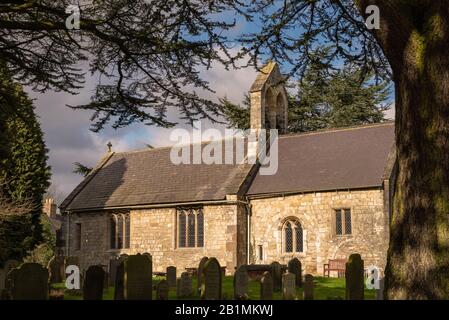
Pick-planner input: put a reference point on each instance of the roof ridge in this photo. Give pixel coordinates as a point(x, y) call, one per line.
point(331, 130)
point(181, 145)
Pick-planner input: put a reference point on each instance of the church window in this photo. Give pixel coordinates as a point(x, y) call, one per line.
point(343, 222)
point(293, 236)
point(120, 230)
point(190, 228)
point(78, 236)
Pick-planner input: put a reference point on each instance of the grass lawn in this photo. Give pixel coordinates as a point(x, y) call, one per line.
point(325, 289)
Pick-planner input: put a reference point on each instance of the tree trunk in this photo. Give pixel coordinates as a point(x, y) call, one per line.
point(418, 257)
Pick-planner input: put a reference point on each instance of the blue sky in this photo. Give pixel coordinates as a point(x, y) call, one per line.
point(67, 131)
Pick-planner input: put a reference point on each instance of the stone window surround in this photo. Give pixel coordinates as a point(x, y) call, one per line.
point(113, 215)
point(334, 234)
point(280, 231)
point(195, 248)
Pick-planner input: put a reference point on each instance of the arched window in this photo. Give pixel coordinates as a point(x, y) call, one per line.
point(292, 236)
point(120, 230)
point(190, 227)
point(182, 229)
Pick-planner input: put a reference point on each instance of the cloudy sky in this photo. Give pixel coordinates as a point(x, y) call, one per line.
point(69, 139)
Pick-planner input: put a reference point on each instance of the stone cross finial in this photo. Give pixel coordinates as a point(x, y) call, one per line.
point(109, 145)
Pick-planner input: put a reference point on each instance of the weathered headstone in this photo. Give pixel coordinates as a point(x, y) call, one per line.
point(200, 272)
point(211, 287)
point(266, 286)
point(355, 284)
point(138, 277)
point(56, 269)
point(294, 266)
point(276, 273)
point(308, 287)
point(162, 289)
point(380, 291)
point(241, 283)
point(28, 282)
point(113, 264)
point(288, 286)
point(8, 266)
point(184, 288)
point(171, 276)
point(93, 283)
point(119, 285)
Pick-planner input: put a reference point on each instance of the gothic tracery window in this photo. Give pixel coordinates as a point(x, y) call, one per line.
point(119, 231)
point(190, 227)
point(292, 234)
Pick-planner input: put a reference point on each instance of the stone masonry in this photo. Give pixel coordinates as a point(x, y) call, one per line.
point(316, 212)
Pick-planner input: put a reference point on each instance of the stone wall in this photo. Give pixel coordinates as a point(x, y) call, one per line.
point(154, 231)
point(316, 212)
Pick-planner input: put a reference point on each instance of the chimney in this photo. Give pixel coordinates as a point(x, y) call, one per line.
point(50, 207)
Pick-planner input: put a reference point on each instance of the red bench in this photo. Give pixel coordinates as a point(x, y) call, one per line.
point(338, 265)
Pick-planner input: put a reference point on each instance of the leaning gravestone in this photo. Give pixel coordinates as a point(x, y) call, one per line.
point(288, 286)
point(266, 286)
point(138, 277)
point(276, 273)
point(162, 289)
point(308, 287)
point(28, 282)
point(56, 269)
point(200, 272)
point(184, 288)
point(171, 276)
point(241, 283)
point(354, 274)
point(211, 287)
point(8, 266)
point(294, 266)
point(93, 283)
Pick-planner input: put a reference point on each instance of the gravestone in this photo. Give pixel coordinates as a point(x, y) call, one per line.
point(171, 276)
point(380, 291)
point(211, 287)
point(241, 283)
point(138, 277)
point(93, 283)
point(184, 288)
point(266, 286)
point(56, 269)
point(288, 286)
point(200, 272)
point(294, 266)
point(162, 289)
point(308, 287)
point(113, 265)
point(355, 278)
point(276, 273)
point(8, 266)
point(119, 284)
point(28, 282)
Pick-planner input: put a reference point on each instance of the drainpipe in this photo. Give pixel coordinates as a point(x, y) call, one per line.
point(248, 230)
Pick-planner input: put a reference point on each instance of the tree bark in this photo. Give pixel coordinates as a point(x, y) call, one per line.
point(417, 47)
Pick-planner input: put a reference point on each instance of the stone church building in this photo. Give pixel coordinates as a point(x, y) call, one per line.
point(330, 197)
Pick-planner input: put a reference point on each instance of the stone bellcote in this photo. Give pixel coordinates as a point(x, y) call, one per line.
point(269, 100)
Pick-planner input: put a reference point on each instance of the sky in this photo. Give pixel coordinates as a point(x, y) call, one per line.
point(69, 140)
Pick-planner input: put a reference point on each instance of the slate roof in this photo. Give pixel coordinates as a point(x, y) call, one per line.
point(148, 177)
point(350, 158)
point(357, 157)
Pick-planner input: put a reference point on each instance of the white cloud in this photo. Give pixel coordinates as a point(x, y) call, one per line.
point(69, 140)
